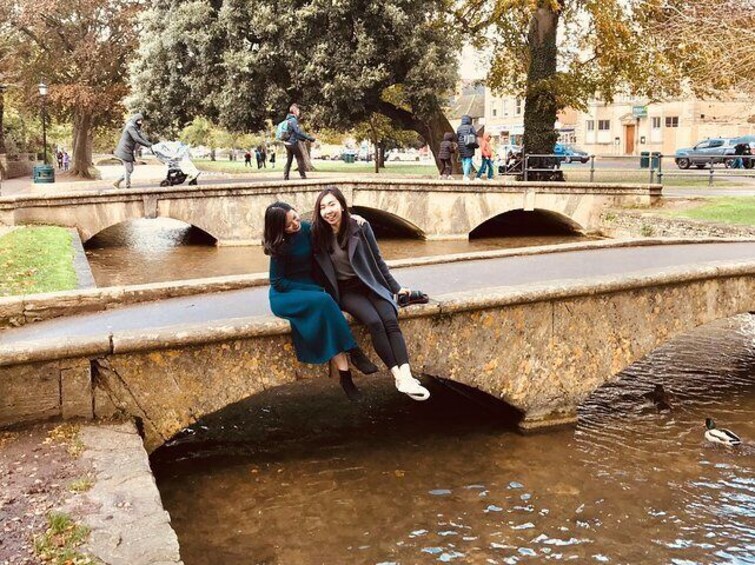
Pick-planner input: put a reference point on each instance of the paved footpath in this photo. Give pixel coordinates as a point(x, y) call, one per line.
point(436, 280)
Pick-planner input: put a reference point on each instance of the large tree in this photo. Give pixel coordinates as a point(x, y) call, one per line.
point(81, 49)
point(559, 53)
point(239, 62)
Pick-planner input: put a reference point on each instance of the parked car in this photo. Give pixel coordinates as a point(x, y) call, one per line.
point(399, 155)
point(568, 154)
point(707, 152)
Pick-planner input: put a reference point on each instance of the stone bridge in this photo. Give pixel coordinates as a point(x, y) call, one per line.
point(233, 214)
point(542, 349)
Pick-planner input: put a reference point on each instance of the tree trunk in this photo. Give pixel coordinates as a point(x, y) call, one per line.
point(304, 147)
point(431, 127)
point(2, 111)
point(82, 146)
point(380, 155)
point(375, 142)
point(212, 154)
point(541, 107)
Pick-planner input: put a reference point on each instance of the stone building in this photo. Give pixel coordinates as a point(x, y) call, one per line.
point(629, 126)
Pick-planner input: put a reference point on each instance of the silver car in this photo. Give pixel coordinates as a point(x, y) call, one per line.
point(707, 152)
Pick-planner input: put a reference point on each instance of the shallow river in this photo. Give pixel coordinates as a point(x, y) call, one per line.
point(298, 475)
point(144, 251)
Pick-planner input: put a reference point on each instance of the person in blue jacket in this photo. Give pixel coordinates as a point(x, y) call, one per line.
point(319, 330)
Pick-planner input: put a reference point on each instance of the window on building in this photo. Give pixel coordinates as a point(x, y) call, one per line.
point(518, 107)
point(672, 121)
point(505, 109)
point(495, 112)
point(604, 125)
point(590, 125)
point(656, 122)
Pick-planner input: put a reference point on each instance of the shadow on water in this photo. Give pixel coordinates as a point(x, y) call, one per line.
point(299, 475)
point(518, 223)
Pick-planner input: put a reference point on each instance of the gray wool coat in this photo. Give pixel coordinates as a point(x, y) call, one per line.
point(131, 136)
point(367, 263)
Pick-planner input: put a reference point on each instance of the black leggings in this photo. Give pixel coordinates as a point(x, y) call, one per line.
point(447, 168)
point(379, 316)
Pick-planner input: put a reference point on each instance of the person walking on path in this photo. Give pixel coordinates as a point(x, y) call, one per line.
point(292, 143)
point(354, 273)
point(319, 331)
point(126, 150)
point(467, 139)
point(263, 156)
point(247, 159)
point(272, 157)
point(486, 151)
point(447, 149)
point(66, 161)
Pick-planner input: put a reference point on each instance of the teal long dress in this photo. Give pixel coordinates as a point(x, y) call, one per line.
point(318, 327)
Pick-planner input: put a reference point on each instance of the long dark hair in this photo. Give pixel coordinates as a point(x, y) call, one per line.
point(322, 233)
point(275, 227)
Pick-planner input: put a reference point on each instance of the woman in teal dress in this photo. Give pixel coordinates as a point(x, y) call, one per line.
point(319, 331)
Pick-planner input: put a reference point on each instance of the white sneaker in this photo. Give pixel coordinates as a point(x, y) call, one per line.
point(412, 388)
point(467, 179)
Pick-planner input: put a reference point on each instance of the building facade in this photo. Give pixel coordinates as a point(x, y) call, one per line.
point(629, 126)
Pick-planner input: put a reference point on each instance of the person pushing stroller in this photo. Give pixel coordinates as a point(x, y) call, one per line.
point(126, 149)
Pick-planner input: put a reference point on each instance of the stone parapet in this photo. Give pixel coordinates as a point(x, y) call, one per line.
point(636, 223)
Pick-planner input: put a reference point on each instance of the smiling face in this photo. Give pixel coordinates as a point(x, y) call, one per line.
point(293, 222)
point(331, 211)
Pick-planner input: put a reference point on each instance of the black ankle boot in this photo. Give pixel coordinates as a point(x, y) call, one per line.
point(351, 390)
point(362, 362)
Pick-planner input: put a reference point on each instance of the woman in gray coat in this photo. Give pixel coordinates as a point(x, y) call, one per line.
point(126, 150)
point(354, 273)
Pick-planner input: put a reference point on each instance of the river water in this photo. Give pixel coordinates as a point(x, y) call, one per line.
point(298, 475)
point(145, 251)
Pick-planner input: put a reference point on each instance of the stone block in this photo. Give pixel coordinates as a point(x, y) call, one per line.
point(76, 390)
point(29, 393)
point(11, 312)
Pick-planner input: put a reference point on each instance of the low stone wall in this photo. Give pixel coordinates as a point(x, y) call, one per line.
point(21, 165)
point(18, 311)
point(542, 350)
point(633, 223)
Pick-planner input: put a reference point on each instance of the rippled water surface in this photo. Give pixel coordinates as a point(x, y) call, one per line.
point(298, 475)
point(144, 251)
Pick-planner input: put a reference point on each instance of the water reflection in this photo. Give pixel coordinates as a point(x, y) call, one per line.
point(299, 475)
point(144, 251)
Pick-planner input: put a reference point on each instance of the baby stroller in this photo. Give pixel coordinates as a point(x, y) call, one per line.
point(176, 156)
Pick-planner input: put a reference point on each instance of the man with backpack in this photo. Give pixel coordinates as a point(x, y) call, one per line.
point(291, 134)
point(467, 139)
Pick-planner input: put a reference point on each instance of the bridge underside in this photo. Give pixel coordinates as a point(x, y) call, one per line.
point(542, 351)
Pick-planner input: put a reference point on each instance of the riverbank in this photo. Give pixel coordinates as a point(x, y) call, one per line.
point(37, 259)
point(80, 494)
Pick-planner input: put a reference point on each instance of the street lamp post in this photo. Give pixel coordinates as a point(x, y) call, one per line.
point(43, 95)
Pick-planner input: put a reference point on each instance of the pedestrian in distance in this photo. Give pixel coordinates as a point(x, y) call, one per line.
point(272, 157)
point(131, 138)
point(291, 134)
point(59, 158)
point(247, 159)
point(263, 156)
point(448, 148)
point(258, 157)
point(739, 150)
point(486, 151)
point(66, 161)
point(318, 329)
point(466, 136)
point(352, 270)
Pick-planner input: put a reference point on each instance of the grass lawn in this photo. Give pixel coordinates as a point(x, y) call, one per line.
point(36, 259)
point(739, 210)
point(320, 167)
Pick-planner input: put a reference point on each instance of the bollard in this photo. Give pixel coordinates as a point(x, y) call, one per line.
point(526, 166)
point(710, 177)
point(660, 169)
point(592, 168)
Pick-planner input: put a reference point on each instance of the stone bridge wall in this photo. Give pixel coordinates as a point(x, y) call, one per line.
point(542, 350)
point(233, 214)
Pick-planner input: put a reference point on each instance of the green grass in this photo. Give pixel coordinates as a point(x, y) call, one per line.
point(739, 210)
point(36, 259)
point(58, 544)
point(237, 167)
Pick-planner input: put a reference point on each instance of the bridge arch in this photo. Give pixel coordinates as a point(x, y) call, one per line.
point(91, 233)
point(517, 221)
point(386, 224)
